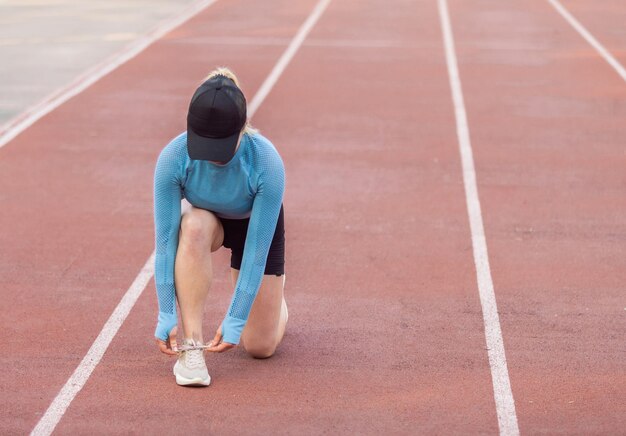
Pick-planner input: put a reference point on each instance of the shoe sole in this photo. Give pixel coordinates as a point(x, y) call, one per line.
point(182, 381)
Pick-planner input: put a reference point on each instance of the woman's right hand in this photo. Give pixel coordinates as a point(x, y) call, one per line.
point(169, 347)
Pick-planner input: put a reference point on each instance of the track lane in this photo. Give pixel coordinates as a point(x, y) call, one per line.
point(72, 244)
point(505, 403)
point(386, 329)
point(547, 131)
point(604, 19)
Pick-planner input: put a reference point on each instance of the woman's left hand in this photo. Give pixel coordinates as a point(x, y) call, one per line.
point(217, 346)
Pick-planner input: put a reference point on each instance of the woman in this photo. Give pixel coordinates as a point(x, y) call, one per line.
point(234, 179)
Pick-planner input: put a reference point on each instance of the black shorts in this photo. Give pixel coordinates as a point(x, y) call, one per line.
point(235, 232)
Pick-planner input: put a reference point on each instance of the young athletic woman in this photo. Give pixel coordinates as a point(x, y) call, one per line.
point(234, 179)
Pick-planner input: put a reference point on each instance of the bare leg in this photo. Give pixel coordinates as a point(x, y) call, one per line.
point(268, 318)
point(200, 234)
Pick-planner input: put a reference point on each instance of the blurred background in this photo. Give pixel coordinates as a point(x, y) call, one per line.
point(45, 44)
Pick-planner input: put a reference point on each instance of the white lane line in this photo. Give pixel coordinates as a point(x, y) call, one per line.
point(75, 383)
point(284, 60)
point(505, 405)
point(310, 42)
point(27, 118)
point(589, 38)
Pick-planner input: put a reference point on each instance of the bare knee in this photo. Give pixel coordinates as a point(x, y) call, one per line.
point(200, 229)
point(260, 349)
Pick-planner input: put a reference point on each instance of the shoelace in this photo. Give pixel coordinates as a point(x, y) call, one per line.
point(194, 359)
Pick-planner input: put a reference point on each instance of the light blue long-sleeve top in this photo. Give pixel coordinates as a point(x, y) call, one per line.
point(251, 185)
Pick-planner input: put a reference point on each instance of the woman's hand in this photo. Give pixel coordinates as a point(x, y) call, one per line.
point(217, 346)
point(169, 347)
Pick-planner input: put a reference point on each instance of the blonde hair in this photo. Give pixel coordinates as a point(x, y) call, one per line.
point(226, 72)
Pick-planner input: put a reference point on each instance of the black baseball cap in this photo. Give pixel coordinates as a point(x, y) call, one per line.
point(217, 113)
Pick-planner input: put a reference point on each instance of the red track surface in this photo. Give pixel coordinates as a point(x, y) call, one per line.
point(385, 330)
point(548, 134)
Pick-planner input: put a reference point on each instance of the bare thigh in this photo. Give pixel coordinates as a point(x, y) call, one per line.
point(266, 322)
point(201, 227)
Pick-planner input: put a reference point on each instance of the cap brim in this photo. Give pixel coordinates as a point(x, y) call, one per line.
point(213, 149)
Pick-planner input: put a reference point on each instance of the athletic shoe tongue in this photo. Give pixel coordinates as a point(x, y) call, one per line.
point(195, 358)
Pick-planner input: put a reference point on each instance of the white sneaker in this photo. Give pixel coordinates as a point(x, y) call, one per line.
point(190, 368)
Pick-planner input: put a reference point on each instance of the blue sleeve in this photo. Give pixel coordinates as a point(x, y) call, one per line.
point(265, 211)
point(167, 198)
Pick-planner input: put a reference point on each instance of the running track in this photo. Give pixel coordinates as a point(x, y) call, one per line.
point(386, 331)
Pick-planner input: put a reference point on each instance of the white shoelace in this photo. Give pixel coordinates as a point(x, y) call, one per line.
point(193, 358)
